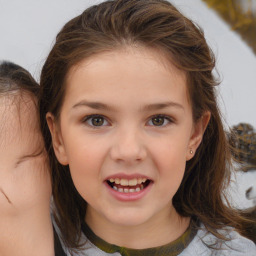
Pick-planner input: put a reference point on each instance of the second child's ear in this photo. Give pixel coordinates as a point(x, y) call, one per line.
point(197, 134)
point(57, 140)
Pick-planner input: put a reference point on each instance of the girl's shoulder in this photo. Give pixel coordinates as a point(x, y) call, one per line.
point(206, 244)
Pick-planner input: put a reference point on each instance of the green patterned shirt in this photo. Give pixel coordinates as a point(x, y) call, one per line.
point(172, 249)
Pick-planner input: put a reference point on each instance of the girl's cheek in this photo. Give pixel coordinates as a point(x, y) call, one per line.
point(31, 186)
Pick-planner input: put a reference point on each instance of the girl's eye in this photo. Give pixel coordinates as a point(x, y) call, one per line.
point(159, 120)
point(96, 121)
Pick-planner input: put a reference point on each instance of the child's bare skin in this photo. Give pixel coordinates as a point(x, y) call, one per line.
point(25, 187)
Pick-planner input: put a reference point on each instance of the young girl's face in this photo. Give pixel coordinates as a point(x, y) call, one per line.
point(126, 131)
point(24, 174)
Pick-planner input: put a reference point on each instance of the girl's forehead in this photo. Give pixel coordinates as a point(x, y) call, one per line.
point(132, 57)
point(137, 51)
point(122, 68)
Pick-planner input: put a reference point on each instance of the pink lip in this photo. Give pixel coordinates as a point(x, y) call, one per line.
point(125, 197)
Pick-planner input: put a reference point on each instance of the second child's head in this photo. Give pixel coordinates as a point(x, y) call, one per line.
point(128, 94)
point(25, 186)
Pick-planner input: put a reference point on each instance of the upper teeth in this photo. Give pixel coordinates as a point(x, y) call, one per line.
point(126, 182)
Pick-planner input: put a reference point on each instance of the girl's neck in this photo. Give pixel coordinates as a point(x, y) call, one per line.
point(29, 233)
point(155, 232)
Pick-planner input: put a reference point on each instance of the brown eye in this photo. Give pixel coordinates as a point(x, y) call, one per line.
point(158, 121)
point(97, 121)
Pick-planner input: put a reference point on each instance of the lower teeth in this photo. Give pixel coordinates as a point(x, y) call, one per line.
point(127, 190)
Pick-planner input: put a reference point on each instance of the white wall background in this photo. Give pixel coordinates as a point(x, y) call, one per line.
point(28, 29)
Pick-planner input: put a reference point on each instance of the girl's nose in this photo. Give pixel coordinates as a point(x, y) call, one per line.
point(128, 147)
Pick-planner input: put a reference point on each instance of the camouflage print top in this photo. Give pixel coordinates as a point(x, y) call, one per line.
point(172, 249)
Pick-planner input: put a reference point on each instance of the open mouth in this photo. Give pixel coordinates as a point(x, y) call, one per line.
point(128, 186)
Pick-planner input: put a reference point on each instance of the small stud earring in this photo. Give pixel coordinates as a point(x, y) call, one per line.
point(191, 151)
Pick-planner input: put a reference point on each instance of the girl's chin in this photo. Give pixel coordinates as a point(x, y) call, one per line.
point(128, 219)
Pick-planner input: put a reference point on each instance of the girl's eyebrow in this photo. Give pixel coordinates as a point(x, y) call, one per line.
point(149, 107)
point(93, 105)
point(159, 106)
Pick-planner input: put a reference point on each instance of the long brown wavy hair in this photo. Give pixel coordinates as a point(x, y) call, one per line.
point(153, 24)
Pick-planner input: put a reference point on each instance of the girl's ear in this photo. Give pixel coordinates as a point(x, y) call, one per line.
point(57, 140)
point(197, 134)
